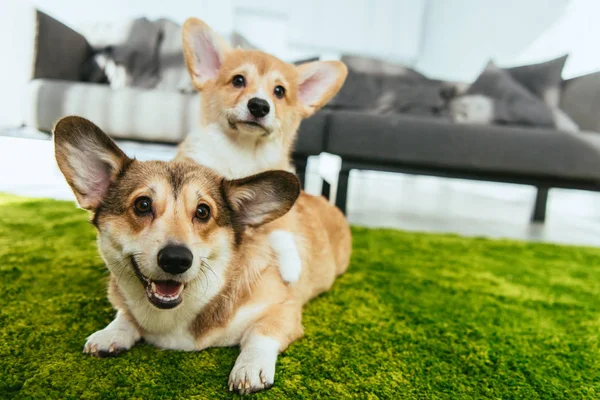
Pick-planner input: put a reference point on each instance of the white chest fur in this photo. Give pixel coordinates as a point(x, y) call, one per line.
point(233, 159)
point(179, 338)
point(168, 329)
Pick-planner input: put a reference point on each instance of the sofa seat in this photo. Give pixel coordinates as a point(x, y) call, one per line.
point(138, 114)
point(409, 141)
point(130, 113)
point(311, 136)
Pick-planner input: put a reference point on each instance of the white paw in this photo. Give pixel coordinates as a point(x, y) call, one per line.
point(290, 265)
point(119, 336)
point(254, 369)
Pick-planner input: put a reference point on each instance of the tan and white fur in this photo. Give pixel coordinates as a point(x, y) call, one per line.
point(219, 285)
point(236, 139)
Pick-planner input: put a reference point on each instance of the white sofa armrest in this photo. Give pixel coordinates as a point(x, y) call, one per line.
point(34, 46)
point(17, 46)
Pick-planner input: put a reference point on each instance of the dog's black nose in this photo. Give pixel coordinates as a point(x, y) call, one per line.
point(258, 107)
point(175, 259)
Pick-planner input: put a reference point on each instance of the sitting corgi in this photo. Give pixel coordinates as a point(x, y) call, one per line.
point(252, 105)
point(187, 254)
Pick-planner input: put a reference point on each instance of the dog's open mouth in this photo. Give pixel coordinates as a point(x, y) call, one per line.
point(162, 294)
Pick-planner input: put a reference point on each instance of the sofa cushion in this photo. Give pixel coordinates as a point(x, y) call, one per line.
point(139, 114)
point(390, 93)
point(61, 52)
point(129, 113)
point(511, 103)
point(310, 140)
point(432, 143)
point(581, 100)
point(542, 79)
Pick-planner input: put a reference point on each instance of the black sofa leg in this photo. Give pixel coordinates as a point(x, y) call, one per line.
point(342, 190)
point(326, 190)
point(541, 199)
point(300, 165)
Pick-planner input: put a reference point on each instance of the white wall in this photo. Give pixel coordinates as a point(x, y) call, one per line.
point(577, 32)
point(461, 36)
point(16, 67)
point(384, 28)
point(289, 28)
point(448, 39)
point(79, 12)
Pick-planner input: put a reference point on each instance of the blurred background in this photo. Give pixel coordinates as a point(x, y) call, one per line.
point(476, 117)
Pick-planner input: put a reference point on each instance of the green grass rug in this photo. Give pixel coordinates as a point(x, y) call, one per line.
point(416, 316)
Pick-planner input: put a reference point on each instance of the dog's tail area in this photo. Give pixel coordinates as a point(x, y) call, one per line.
point(341, 238)
point(338, 231)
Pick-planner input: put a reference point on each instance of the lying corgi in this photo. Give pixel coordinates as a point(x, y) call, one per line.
point(252, 105)
point(187, 250)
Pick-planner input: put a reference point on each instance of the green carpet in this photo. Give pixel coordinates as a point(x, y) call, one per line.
point(417, 316)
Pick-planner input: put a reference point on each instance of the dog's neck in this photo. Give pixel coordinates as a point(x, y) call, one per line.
point(234, 155)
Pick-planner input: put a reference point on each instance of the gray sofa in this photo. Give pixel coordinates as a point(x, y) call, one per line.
point(57, 87)
point(540, 157)
point(544, 158)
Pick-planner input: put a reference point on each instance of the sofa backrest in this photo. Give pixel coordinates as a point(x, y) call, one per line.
point(580, 99)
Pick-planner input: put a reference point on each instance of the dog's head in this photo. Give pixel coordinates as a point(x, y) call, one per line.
point(163, 226)
point(252, 93)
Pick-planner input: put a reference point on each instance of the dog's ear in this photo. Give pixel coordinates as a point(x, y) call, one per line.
point(262, 198)
point(88, 158)
point(318, 82)
point(203, 50)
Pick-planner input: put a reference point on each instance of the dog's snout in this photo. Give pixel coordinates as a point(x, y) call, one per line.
point(258, 107)
point(175, 259)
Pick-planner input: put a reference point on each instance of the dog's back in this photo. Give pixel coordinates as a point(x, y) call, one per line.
point(337, 228)
point(324, 241)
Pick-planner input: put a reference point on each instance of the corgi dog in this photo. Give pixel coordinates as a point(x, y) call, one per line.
point(188, 252)
point(252, 106)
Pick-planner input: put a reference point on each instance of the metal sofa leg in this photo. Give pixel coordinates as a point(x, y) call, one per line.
point(326, 190)
point(342, 190)
point(300, 165)
point(541, 199)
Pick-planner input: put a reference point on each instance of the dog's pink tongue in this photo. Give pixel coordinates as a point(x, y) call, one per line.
point(167, 288)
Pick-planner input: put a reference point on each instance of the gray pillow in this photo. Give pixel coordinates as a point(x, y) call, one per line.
point(580, 99)
point(387, 93)
point(360, 91)
point(127, 53)
point(496, 97)
point(61, 53)
point(543, 79)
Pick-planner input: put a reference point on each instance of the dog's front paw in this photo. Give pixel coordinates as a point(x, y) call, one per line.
point(252, 372)
point(119, 336)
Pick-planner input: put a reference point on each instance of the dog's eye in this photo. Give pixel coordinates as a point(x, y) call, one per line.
point(203, 212)
point(238, 81)
point(279, 91)
point(142, 205)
